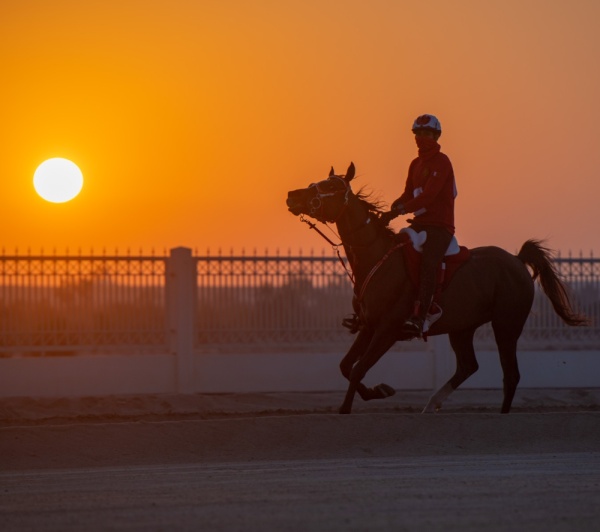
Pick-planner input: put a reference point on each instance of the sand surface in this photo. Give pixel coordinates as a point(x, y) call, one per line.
point(288, 460)
point(37, 411)
point(79, 432)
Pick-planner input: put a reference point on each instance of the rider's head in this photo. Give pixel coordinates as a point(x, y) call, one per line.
point(427, 126)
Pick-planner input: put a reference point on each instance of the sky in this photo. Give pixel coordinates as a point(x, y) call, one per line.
point(192, 119)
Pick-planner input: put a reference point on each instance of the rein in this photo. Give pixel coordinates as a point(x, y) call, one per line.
point(335, 246)
point(350, 274)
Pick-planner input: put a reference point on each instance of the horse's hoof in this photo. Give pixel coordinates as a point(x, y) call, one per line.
point(383, 390)
point(344, 410)
point(431, 409)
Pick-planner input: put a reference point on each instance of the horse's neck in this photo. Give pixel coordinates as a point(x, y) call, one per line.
point(365, 242)
point(352, 220)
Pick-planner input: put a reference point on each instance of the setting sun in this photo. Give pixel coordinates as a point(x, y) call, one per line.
point(58, 180)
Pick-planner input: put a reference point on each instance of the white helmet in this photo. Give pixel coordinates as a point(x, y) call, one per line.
point(427, 122)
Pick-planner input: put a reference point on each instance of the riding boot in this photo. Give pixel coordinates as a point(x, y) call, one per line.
point(413, 326)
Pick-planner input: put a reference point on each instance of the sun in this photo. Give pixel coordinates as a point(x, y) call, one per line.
point(58, 180)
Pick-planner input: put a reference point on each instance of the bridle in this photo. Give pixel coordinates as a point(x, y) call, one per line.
point(316, 204)
point(317, 211)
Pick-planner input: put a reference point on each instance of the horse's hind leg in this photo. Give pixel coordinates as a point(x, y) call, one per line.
point(466, 365)
point(507, 348)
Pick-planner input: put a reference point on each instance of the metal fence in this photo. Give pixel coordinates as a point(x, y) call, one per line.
point(66, 303)
point(70, 304)
point(272, 299)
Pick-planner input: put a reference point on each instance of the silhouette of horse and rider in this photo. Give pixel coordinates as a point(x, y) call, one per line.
point(394, 299)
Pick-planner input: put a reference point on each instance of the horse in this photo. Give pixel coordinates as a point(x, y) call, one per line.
point(491, 286)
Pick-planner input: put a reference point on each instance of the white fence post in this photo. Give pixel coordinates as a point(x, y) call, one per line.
point(181, 301)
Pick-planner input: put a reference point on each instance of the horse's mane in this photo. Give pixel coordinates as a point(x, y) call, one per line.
point(373, 205)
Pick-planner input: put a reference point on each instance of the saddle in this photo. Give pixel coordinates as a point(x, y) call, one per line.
point(455, 257)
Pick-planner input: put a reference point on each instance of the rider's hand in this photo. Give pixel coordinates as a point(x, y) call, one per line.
point(398, 208)
point(387, 217)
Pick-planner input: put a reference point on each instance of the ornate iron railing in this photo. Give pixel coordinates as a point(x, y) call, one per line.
point(272, 299)
point(103, 303)
point(61, 303)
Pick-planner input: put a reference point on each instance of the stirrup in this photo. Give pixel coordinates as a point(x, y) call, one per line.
point(352, 323)
point(413, 327)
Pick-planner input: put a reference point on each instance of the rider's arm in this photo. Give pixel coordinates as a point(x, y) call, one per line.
point(440, 173)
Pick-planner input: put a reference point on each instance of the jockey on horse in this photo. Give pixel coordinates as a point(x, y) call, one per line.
point(429, 194)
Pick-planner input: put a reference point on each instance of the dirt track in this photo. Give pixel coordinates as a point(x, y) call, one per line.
point(35, 411)
point(280, 462)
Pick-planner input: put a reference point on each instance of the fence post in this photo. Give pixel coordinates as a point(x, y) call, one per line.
point(181, 302)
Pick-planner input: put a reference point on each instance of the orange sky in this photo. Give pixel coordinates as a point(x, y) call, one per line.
point(192, 119)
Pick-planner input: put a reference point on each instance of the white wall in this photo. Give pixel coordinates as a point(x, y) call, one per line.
point(89, 375)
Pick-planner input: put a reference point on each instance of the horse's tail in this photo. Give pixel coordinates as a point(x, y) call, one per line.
point(539, 259)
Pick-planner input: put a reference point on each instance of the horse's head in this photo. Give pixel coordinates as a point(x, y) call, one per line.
point(325, 200)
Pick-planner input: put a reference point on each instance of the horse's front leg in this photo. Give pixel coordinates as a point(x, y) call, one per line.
point(380, 341)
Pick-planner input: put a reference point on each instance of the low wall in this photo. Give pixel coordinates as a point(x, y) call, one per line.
point(231, 372)
point(87, 375)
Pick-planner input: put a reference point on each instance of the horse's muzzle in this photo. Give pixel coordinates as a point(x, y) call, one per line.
point(295, 205)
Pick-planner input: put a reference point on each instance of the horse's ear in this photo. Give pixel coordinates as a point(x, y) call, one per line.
point(331, 172)
point(350, 173)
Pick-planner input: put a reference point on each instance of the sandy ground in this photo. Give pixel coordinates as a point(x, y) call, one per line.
point(36, 411)
point(287, 460)
point(129, 430)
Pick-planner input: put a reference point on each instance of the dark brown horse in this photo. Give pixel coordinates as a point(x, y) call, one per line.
point(492, 286)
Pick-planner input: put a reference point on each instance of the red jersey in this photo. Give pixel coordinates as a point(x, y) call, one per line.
point(430, 189)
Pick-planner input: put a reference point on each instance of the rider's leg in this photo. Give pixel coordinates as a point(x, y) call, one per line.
point(434, 249)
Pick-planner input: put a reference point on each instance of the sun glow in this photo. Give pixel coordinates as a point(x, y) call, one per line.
point(58, 180)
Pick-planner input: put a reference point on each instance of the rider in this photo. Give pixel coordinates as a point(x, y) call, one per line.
point(429, 194)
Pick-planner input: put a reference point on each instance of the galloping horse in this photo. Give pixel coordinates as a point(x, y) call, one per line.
point(492, 286)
